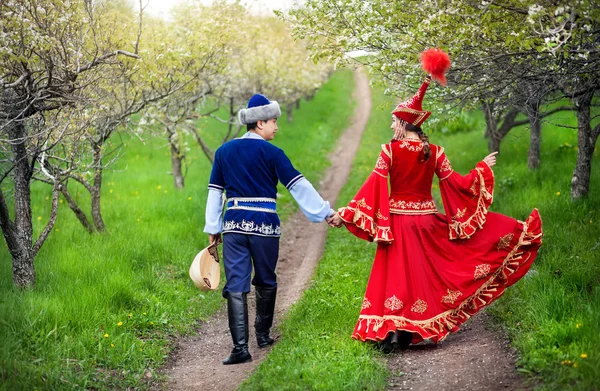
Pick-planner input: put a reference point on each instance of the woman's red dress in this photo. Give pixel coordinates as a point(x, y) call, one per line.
point(432, 271)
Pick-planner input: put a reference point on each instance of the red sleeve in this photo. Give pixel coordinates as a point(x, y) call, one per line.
point(466, 198)
point(367, 216)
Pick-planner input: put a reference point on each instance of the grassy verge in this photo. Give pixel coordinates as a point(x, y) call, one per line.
point(105, 306)
point(553, 316)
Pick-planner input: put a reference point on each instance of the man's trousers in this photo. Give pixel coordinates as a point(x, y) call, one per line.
point(240, 253)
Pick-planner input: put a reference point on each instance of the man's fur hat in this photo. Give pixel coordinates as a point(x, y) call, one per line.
point(259, 109)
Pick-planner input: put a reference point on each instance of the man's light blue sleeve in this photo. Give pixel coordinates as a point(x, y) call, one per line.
point(214, 211)
point(311, 203)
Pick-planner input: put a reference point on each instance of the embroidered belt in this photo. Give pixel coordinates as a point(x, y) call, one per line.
point(257, 204)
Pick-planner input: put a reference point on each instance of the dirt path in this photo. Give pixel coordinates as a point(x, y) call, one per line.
point(474, 359)
point(196, 364)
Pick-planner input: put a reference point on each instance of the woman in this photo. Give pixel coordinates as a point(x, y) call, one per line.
point(432, 271)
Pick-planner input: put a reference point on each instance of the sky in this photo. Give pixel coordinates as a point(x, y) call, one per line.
point(161, 7)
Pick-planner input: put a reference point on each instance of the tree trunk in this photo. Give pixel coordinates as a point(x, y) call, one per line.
point(495, 133)
point(586, 138)
point(18, 235)
point(176, 159)
point(297, 104)
point(77, 210)
point(96, 189)
point(290, 113)
point(535, 136)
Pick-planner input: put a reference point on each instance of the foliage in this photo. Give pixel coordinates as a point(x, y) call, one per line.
point(129, 287)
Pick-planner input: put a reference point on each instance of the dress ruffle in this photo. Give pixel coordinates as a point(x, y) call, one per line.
point(467, 200)
point(363, 226)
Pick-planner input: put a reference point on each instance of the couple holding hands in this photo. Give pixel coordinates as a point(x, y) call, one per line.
point(431, 271)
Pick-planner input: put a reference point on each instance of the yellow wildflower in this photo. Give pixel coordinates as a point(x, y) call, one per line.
point(577, 325)
point(143, 313)
point(112, 345)
point(119, 324)
point(583, 355)
point(39, 218)
point(190, 198)
point(105, 335)
point(111, 190)
point(151, 323)
point(129, 315)
point(558, 193)
point(575, 365)
point(159, 187)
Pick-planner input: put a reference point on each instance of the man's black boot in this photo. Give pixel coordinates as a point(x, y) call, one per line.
point(265, 307)
point(237, 312)
point(405, 339)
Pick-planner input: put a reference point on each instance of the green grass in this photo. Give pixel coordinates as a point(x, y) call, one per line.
point(553, 317)
point(105, 307)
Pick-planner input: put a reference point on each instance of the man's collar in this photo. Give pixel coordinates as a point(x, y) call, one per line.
point(252, 136)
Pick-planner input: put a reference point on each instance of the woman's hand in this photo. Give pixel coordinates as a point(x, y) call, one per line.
point(490, 159)
point(335, 221)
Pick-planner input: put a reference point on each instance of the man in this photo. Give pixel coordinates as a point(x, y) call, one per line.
point(248, 169)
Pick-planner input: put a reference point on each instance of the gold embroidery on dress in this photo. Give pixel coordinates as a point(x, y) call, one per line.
point(420, 306)
point(451, 296)
point(446, 165)
point(393, 303)
point(411, 147)
point(399, 323)
point(414, 205)
point(481, 271)
point(473, 187)
point(366, 303)
point(362, 203)
point(505, 241)
point(381, 164)
point(459, 213)
point(380, 216)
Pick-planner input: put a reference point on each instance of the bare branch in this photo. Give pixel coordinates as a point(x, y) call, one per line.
point(101, 59)
point(44, 235)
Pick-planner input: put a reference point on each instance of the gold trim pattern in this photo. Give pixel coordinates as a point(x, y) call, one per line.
point(419, 306)
point(380, 215)
point(366, 304)
point(362, 203)
point(412, 205)
point(460, 213)
point(393, 303)
point(481, 271)
point(451, 296)
point(381, 164)
point(504, 241)
point(413, 148)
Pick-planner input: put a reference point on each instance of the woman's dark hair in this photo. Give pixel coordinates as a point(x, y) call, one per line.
point(423, 137)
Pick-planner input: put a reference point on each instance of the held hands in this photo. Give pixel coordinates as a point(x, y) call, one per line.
point(490, 159)
point(335, 221)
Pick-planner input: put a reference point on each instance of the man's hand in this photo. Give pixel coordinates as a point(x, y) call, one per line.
point(214, 238)
point(335, 221)
point(490, 159)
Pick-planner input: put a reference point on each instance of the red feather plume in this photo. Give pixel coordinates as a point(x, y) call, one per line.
point(436, 62)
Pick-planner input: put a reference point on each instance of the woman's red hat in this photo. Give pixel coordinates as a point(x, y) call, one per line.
point(435, 62)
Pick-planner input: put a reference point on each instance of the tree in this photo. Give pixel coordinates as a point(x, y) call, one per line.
point(500, 50)
point(51, 52)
